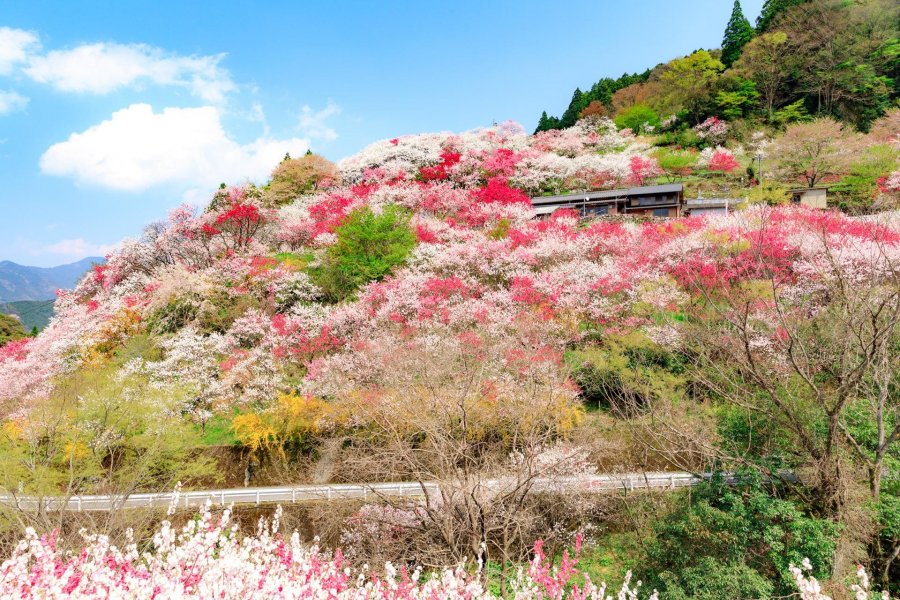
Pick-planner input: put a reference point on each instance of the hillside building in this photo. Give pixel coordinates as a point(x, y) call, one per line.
point(695, 207)
point(646, 201)
point(816, 197)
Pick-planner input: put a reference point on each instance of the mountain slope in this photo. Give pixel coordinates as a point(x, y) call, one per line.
point(20, 282)
point(32, 313)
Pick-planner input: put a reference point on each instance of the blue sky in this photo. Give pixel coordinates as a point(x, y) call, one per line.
point(113, 113)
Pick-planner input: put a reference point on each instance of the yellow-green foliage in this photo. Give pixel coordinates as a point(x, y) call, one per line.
point(10, 329)
point(769, 192)
point(100, 431)
point(628, 373)
point(290, 421)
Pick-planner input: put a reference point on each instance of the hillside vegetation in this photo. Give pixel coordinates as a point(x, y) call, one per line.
point(806, 61)
point(401, 316)
point(34, 314)
point(804, 58)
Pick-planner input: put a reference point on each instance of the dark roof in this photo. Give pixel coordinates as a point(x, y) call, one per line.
point(647, 190)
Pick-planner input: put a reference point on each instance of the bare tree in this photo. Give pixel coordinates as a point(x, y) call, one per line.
point(813, 357)
point(484, 435)
point(812, 151)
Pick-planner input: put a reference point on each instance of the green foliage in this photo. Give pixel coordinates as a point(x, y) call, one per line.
point(859, 188)
point(294, 177)
point(32, 313)
point(299, 261)
point(637, 118)
point(772, 9)
point(10, 329)
point(834, 58)
point(368, 247)
point(753, 436)
point(177, 313)
point(689, 81)
point(738, 100)
point(627, 373)
point(768, 192)
point(500, 230)
point(887, 514)
point(713, 579)
point(676, 164)
point(221, 310)
point(744, 534)
point(217, 431)
point(547, 123)
point(141, 347)
point(602, 92)
point(792, 113)
point(737, 33)
point(688, 138)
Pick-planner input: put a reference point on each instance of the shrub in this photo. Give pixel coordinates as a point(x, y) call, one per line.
point(713, 579)
point(742, 532)
point(637, 118)
point(177, 313)
point(294, 177)
point(368, 247)
point(860, 187)
point(627, 373)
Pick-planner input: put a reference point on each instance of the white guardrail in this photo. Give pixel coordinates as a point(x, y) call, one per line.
point(341, 491)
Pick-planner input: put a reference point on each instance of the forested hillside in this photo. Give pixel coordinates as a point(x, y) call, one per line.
point(803, 59)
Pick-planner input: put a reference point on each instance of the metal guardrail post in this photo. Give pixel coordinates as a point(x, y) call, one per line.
point(257, 497)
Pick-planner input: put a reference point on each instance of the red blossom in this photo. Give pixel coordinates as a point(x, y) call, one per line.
point(498, 191)
point(724, 161)
point(642, 169)
point(425, 235)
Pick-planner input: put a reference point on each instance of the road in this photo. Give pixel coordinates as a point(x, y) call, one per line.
point(340, 491)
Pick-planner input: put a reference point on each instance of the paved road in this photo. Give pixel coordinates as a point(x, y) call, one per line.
point(326, 492)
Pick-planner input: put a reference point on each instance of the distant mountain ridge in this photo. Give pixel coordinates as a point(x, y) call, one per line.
point(20, 282)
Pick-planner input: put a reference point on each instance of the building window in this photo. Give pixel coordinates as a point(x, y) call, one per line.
point(660, 212)
point(595, 211)
point(651, 200)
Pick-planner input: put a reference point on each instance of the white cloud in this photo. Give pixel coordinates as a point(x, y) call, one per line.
point(104, 67)
point(313, 123)
point(79, 248)
point(15, 47)
point(11, 101)
point(138, 148)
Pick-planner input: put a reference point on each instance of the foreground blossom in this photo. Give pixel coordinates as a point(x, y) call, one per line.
point(209, 558)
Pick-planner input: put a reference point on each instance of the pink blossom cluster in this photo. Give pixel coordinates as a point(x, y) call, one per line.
point(714, 130)
point(209, 558)
point(890, 184)
point(482, 267)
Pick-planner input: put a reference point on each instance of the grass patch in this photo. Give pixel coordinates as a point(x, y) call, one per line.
point(609, 559)
point(218, 432)
point(299, 261)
